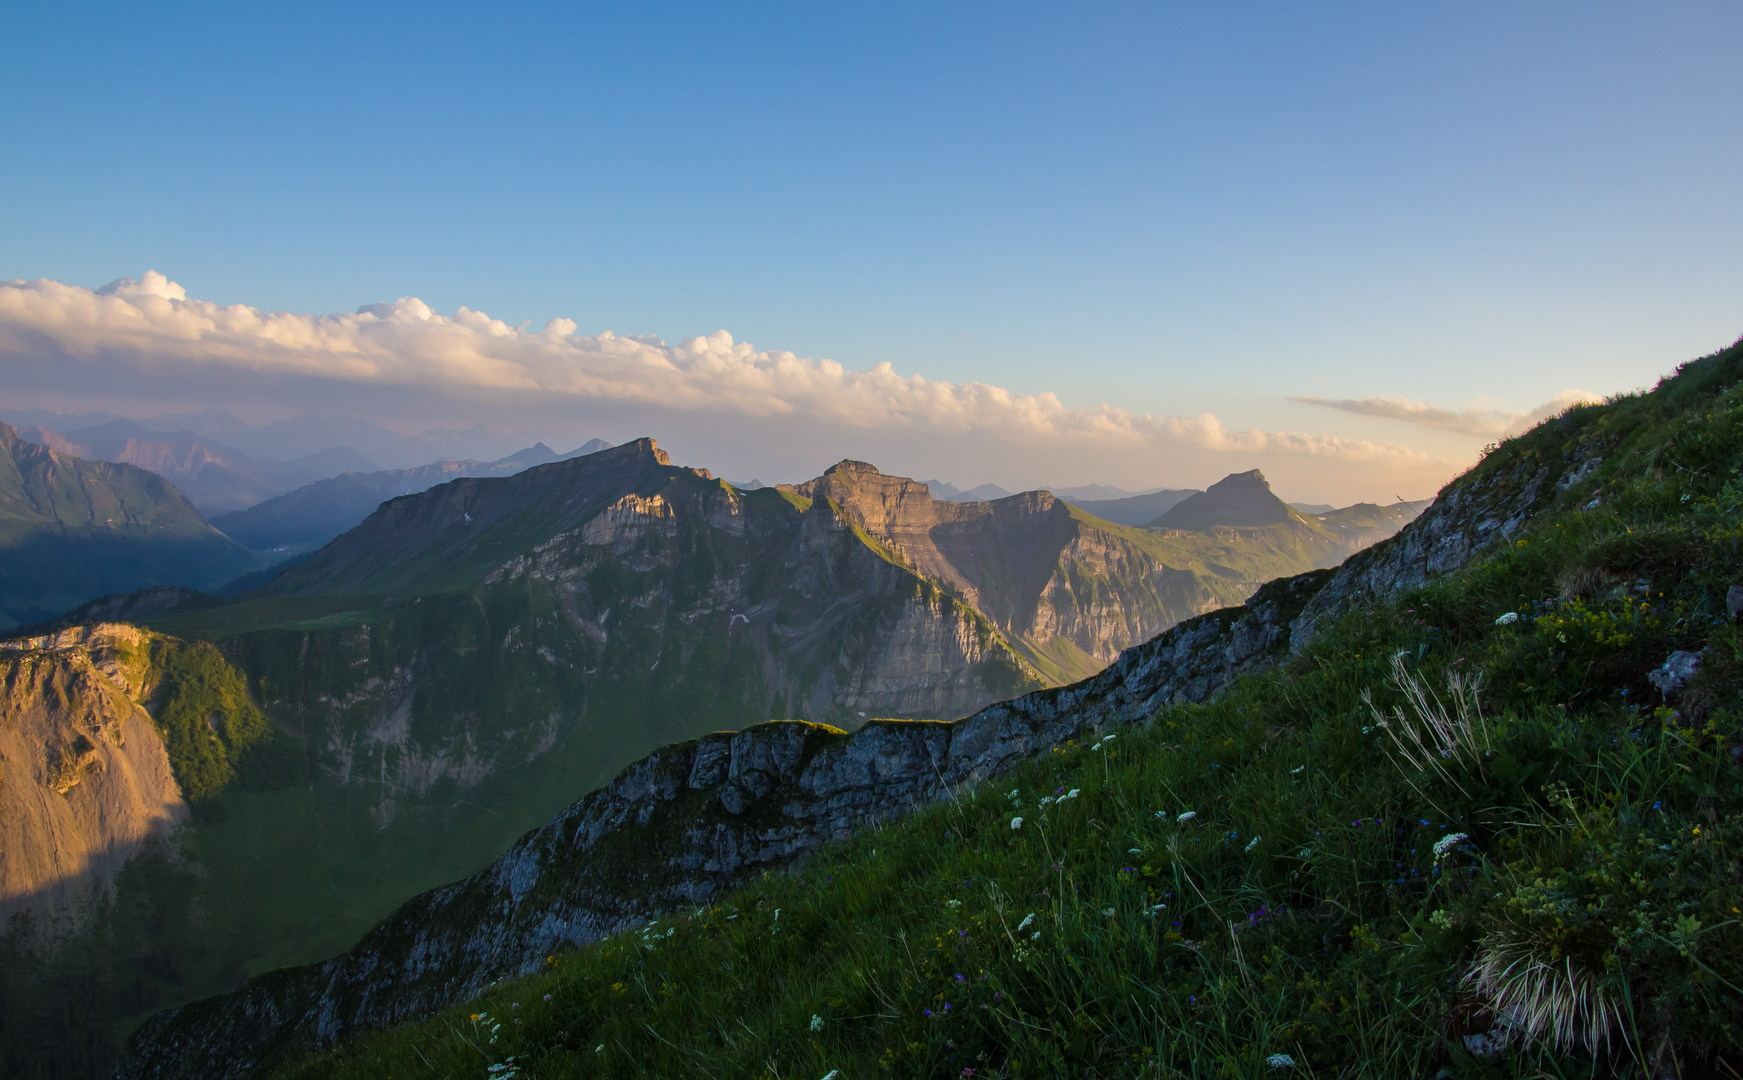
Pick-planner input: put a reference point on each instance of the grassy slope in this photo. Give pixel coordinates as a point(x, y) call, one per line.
point(1304, 909)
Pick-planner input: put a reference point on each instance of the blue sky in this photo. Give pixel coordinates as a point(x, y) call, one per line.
point(1173, 209)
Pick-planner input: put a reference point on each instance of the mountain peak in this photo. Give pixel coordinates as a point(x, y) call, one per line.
point(848, 466)
point(634, 450)
point(1237, 499)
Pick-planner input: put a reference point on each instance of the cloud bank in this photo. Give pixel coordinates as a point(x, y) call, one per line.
point(150, 327)
point(1489, 423)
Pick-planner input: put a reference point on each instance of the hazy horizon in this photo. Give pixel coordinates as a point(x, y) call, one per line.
point(1136, 245)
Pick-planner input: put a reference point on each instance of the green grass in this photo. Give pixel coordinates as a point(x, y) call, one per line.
point(1590, 835)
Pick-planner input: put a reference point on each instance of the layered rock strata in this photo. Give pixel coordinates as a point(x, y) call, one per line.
point(84, 778)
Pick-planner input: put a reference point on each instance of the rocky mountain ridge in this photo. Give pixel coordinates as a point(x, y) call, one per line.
point(694, 819)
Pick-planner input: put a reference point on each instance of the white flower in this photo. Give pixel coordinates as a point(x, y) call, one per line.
point(1036, 936)
point(1297, 769)
point(1108, 911)
point(1013, 794)
point(1158, 907)
point(1072, 794)
point(1250, 844)
point(599, 1049)
point(1508, 619)
point(1188, 816)
point(1162, 813)
point(1109, 738)
point(1097, 746)
point(1280, 1061)
point(1016, 823)
point(1046, 800)
point(953, 903)
point(816, 1022)
point(1443, 847)
point(1024, 925)
point(1134, 851)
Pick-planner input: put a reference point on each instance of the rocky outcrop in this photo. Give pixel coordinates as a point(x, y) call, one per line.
point(1472, 514)
point(84, 778)
point(680, 827)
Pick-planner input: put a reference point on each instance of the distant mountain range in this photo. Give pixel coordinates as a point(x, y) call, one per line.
point(1133, 509)
point(72, 529)
point(214, 477)
point(309, 517)
point(297, 437)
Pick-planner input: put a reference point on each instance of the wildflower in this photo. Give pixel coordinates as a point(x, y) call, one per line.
point(816, 1022)
point(1134, 851)
point(1024, 925)
point(1443, 847)
point(1013, 794)
point(599, 1049)
point(1072, 794)
point(1297, 769)
point(1047, 800)
point(953, 904)
point(547, 997)
point(1108, 912)
point(1162, 813)
point(1036, 936)
point(1250, 844)
point(1016, 823)
point(1109, 738)
point(1188, 816)
point(1280, 1061)
point(1507, 619)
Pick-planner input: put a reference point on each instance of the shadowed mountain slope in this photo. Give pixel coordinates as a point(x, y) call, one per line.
point(1240, 499)
point(214, 477)
point(72, 530)
point(314, 514)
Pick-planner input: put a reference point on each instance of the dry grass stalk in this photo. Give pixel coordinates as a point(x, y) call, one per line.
point(1433, 737)
point(1557, 1002)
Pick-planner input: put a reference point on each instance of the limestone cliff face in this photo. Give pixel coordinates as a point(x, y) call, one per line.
point(84, 777)
point(680, 827)
point(1068, 592)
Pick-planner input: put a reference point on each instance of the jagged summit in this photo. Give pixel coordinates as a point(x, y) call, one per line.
point(1239, 499)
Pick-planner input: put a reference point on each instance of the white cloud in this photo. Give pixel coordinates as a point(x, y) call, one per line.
point(151, 327)
point(1493, 423)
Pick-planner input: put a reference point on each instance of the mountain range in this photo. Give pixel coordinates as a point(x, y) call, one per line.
point(216, 478)
point(453, 668)
point(72, 529)
point(297, 436)
point(1290, 814)
point(310, 516)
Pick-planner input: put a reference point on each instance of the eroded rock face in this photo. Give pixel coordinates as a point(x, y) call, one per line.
point(84, 779)
point(1473, 514)
point(680, 827)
